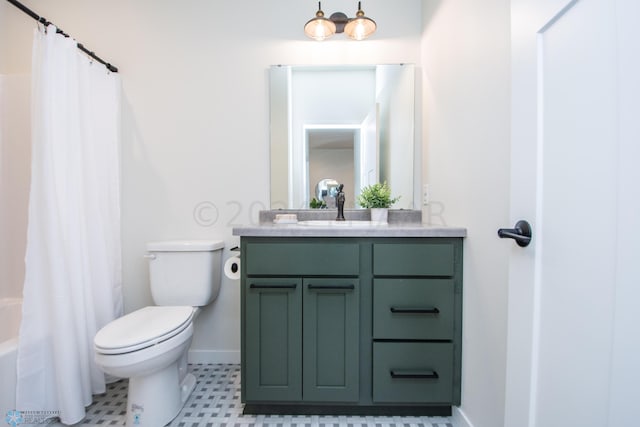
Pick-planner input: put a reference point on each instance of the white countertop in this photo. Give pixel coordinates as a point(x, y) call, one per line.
point(389, 230)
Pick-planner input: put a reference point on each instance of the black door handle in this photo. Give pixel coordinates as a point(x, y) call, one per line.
point(521, 233)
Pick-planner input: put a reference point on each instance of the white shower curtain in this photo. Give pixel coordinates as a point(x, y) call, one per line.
point(73, 267)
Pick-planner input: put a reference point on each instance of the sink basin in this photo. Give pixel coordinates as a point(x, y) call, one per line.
point(334, 223)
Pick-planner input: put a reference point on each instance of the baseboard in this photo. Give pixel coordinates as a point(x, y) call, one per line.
point(299, 408)
point(460, 418)
point(214, 356)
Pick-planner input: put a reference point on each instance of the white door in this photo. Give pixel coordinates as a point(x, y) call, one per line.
point(573, 339)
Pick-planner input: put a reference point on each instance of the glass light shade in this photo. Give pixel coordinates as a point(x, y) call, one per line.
point(360, 27)
point(319, 28)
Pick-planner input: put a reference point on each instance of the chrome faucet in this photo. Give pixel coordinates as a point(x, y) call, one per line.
point(340, 203)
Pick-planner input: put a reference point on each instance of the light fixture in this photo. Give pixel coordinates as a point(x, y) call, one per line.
point(358, 28)
point(319, 28)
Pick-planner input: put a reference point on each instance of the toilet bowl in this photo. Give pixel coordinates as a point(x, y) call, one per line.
point(149, 346)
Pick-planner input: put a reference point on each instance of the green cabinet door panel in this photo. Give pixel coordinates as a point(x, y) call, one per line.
point(273, 341)
point(331, 340)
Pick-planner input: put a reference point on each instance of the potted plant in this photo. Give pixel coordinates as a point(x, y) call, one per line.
point(377, 198)
point(317, 204)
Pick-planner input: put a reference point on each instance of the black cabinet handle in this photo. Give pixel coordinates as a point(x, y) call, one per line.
point(431, 375)
point(343, 287)
point(521, 233)
point(411, 310)
point(275, 286)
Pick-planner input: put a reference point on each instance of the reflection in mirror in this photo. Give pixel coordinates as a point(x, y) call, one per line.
point(326, 192)
point(331, 152)
point(352, 124)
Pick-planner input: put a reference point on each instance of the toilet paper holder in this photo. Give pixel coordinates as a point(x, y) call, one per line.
point(232, 265)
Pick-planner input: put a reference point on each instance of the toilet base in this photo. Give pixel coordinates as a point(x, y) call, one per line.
point(154, 400)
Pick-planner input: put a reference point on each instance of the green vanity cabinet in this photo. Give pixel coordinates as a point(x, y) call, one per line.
point(368, 325)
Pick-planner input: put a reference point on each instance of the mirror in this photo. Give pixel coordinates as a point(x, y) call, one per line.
point(351, 124)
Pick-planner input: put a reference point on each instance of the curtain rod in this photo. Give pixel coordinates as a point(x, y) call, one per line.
point(44, 22)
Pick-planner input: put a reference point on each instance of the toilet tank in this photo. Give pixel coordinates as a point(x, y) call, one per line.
point(185, 272)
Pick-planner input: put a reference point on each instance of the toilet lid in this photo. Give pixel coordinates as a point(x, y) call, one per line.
point(142, 328)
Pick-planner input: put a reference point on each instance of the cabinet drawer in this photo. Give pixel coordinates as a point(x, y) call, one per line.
point(302, 259)
point(412, 372)
point(421, 309)
point(413, 259)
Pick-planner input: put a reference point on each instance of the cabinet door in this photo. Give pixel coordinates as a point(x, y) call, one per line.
point(273, 339)
point(331, 340)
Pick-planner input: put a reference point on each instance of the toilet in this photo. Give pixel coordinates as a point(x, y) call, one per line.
point(149, 346)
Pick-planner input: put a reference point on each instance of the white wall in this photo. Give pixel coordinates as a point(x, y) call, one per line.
point(195, 159)
point(15, 160)
point(466, 69)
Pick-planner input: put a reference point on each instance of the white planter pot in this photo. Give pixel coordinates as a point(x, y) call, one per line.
point(379, 215)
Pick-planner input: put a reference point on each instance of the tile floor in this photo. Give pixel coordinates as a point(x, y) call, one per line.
point(215, 402)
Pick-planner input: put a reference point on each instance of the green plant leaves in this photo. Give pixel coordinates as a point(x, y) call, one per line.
point(376, 196)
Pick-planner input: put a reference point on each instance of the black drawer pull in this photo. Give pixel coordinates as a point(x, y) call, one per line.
point(415, 310)
point(266, 286)
point(343, 287)
point(431, 375)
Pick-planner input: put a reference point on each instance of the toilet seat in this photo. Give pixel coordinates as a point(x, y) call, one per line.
point(143, 328)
